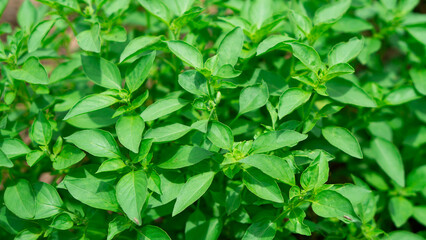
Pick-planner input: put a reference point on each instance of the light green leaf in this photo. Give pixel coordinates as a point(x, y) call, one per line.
point(187, 53)
point(4, 160)
point(131, 192)
point(129, 131)
point(273, 166)
point(193, 189)
point(262, 185)
point(194, 82)
point(27, 15)
point(274, 42)
point(316, 174)
point(137, 73)
point(38, 34)
point(137, 46)
point(162, 107)
point(34, 156)
point(110, 165)
point(343, 139)
point(418, 33)
point(263, 230)
point(91, 103)
point(101, 71)
point(291, 99)
point(13, 148)
point(229, 49)
point(419, 213)
point(167, 133)
point(346, 51)
point(330, 204)
point(69, 156)
point(220, 135)
point(307, 55)
point(185, 156)
point(41, 131)
point(31, 72)
point(150, 232)
point(96, 191)
point(253, 97)
point(331, 12)
point(20, 199)
point(97, 142)
point(90, 40)
point(345, 91)
point(338, 70)
point(62, 222)
point(295, 222)
point(402, 95)
point(389, 159)
point(416, 180)
point(400, 210)
point(117, 225)
point(47, 200)
point(419, 79)
point(275, 140)
point(157, 8)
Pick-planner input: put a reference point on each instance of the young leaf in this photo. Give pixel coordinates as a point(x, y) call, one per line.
point(273, 166)
point(101, 71)
point(185, 156)
point(307, 55)
point(162, 107)
point(27, 15)
point(193, 189)
point(90, 40)
point(193, 82)
point(338, 70)
point(344, 52)
point(20, 199)
point(400, 210)
point(158, 9)
point(261, 185)
point(316, 174)
point(97, 142)
point(253, 97)
point(69, 156)
point(131, 193)
point(330, 204)
point(220, 135)
point(389, 159)
point(187, 53)
point(137, 73)
point(129, 131)
point(343, 139)
point(62, 222)
point(291, 99)
point(41, 131)
point(31, 72)
point(111, 165)
point(277, 139)
point(90, 103)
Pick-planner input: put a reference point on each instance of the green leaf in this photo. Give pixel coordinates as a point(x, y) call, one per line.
point(402, 95)
point(262, 185)
point(296, 224)
point(345, 91)
point(4, 160)
point(233, 199)
point(273, 166)
point(137, 46)
point(291, 99)
point(101, 71)
point(62, 222)
point(31, 72)
point(316, 175)
point(110, 165)
point(260, 11)
point(150, 232)
point(91, 103)
point(199, 227)
point(419, 79)
point(117, 33)
point(72, 4)
point(96, 191)
point(343, 139)
point(38, 34)
point(162, 107)
point(275, 140)
point(220, 135)
point(29, 234)
point(194, 82)
point(274, 42)
point(34, 156)
point(158, 9)
point(13, 148)
point(263, 230)
point(167, 133)
point(187, 53)
point(65, 69)
point(418, 33)
point(416, 180)
point(346, 51)
point(27, 15)
point(90, 40)
point(41, 131)
point(117, 225)
point(193, 189)
point(20, 199)
point(69, 156)
point(330, 204)
point(137, 73)
point(419, 213)
point(400, 210)
point(129, 131)
point(47, 201)
point(403, 235)
point(185, 156)
point(338, 70)
point(307, 55)
point(99, 143)
point(389, 159)
point(229, 49)
point(131, 193)
point(331, 12)
point(253, 97)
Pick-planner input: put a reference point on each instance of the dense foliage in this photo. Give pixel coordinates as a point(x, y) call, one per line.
point(215, 119)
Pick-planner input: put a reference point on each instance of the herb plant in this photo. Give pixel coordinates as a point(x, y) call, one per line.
point(213, 119)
